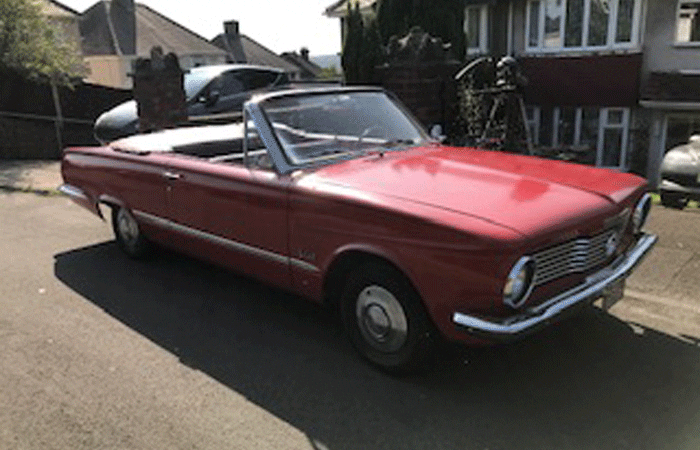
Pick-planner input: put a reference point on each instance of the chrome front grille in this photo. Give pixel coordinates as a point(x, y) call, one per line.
point(570, 257)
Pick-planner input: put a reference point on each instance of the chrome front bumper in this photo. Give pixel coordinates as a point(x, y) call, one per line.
point(72, 192)
point(536, 317)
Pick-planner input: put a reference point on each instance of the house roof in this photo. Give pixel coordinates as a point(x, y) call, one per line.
point(52, 8)
point(306, 66)
point(247, 50)
point(152, 29)
point(340, 7)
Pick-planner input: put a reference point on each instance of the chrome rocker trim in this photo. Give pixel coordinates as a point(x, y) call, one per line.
point(224, 242)
point(538, 316)
point(72, 192)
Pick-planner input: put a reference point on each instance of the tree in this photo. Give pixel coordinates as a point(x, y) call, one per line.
point(33, 47)
point(439, 18)
point(352, 45)
point(372, 53)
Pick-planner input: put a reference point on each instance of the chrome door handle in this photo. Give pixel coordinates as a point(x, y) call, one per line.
point(172, 175)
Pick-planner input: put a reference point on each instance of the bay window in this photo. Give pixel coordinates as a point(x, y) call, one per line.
point(600, 135)
point(582, 24)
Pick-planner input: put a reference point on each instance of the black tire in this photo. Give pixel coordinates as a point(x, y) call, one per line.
point(673, 200)
point(128, 234)
point(385, 319)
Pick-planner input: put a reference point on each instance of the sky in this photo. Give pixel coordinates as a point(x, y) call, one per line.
point(280, 25)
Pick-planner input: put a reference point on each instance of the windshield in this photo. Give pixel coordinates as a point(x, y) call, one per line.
point(320, 126)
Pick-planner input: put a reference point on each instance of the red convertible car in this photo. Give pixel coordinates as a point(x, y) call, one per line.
point(338, 195)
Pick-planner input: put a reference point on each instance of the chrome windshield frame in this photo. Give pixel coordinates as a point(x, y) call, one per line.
point(254, 109)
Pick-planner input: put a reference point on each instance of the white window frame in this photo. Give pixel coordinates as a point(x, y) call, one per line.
point(483, 11)
point(677, 18)
point(534, 123)
point(611, 32)
point(603, 124)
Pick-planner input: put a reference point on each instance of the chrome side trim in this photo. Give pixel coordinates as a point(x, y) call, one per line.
point(539, 316)
point(303, 265)
point(72, 191)
point(224, 242)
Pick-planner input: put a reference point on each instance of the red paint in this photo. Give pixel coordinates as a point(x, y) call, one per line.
point(452, 220)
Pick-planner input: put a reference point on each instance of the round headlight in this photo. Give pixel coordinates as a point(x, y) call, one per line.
point(519, 282)
point(641, 212)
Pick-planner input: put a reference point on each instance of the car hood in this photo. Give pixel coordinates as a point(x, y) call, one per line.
point(523, 193)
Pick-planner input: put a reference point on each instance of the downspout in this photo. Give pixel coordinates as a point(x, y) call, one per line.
point(510, 36)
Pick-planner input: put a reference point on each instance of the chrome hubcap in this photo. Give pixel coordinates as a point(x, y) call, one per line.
point(128, 228)
point(381, 319)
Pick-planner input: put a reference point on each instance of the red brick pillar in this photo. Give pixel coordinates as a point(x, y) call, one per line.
point(428, 89)
point(159, 92)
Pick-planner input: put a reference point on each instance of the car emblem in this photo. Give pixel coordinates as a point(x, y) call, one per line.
point(611, 244)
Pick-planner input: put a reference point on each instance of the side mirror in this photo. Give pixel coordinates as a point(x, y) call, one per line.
point(436, 133)
point(210, 98)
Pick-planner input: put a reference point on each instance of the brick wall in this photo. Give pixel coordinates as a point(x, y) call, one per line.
point(427, 89)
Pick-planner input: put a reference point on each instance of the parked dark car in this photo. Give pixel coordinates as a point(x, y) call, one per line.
point(209, 90)
point(680, 174)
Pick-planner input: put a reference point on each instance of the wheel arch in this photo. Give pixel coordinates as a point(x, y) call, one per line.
point(346, 260)
point(109, 201)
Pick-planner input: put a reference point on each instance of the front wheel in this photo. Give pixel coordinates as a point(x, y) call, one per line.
point(385, 319)
point(128, 234)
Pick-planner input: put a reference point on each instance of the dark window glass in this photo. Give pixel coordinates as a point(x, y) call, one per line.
point(230, 84)
point(598, 24)
point(625, 15)
point(546, 127)
point(567, 125)
point(533, 39)
point(574, 23)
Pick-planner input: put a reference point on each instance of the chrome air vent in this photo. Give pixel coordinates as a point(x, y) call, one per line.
point(574, 256)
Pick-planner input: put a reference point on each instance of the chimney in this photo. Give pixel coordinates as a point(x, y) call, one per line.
point(122, 15)
point(305, 53)
point(233, 44)
point(231, 28)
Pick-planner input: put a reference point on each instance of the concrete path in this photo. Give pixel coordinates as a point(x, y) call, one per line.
point(41, 177)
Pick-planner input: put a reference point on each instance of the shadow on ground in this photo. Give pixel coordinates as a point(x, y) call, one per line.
point(591, 382)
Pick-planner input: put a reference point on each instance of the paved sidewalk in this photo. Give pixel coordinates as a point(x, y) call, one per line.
point(666, 285)
point(41, 177)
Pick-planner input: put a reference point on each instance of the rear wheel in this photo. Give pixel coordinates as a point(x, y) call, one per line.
point(673, 200)
point(128, 234)
point(385, 319)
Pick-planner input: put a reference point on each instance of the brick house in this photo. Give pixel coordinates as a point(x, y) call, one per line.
point(616, 80)
point(115, 33)
point(309, 70)
point(65, 19)
point(242, 49)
